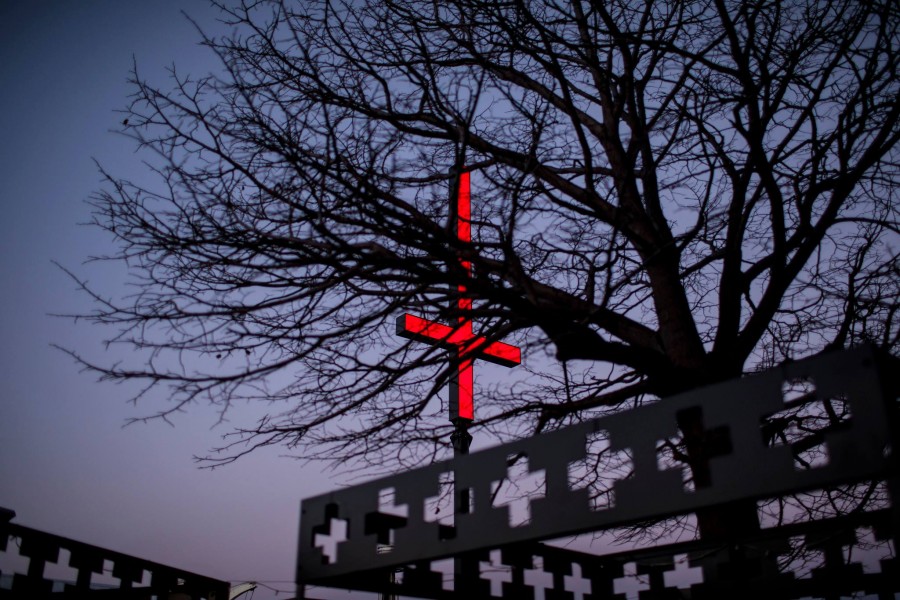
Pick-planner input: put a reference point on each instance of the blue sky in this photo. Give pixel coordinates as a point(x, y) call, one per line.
point(67, 464)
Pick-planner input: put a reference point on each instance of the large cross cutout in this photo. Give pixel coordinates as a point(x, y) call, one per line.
point(518, 489)
point(701, 444)
point(460, 340)
point(330, 534)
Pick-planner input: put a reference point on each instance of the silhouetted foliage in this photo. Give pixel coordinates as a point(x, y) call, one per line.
point(666, 194)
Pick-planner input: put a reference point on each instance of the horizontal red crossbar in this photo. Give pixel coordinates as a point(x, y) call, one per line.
point(459, 338)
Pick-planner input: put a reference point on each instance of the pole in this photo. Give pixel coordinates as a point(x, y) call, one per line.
point(462, 565)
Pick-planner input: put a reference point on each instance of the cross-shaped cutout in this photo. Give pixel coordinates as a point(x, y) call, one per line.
point(800, 424)
point(655, 574)
point(797, 560)
point(440, 508)
point(692, 450)
point(328, 536)
point(517, 490)
point(460, 339)
point(869, 551)
point(60, 571)
point(538, 578)
point(683, 576)
point(598, 471)
point(131, 574)
point(576, 584)
point(106, 578)
point(12, 561)
point(496, 572)
point(835, 545)
point(387, 520)
point(631, 584)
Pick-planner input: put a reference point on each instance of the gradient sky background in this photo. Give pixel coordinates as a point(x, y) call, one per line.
point(67, 465)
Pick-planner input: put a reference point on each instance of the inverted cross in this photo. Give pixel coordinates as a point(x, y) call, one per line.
point(460, 340)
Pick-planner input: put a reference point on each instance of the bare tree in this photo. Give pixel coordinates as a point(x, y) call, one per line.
point(668, 194)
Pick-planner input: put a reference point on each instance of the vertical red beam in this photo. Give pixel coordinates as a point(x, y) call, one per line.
point(462, 396)
point(464, 229)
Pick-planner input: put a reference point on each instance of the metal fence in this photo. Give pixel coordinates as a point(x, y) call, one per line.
point(808, 446)
point(125, 576)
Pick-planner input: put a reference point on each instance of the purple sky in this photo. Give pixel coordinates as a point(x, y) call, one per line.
point(67, 465)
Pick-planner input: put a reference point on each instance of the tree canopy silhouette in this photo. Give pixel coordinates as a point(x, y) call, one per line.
point(665, 194)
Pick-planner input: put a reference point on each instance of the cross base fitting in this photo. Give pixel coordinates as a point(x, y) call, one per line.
point(461, 439)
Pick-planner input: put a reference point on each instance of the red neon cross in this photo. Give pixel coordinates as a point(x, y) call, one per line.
point(460, 340)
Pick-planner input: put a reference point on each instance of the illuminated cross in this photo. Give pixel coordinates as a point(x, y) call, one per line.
point(460, 340)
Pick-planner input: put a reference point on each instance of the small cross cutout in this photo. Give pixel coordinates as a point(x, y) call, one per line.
point(631, 584)
point(683, 576)
point(576, 583)
point(106, 578)
point(538, 578)
point(518, 489)
point(440, 508)
point(693, 448)
point(11, 559)
point(496, 572)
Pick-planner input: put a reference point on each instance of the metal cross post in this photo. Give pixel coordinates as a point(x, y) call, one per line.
point(464, 347)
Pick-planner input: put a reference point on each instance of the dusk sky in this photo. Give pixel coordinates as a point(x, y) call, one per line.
point(67, 465)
